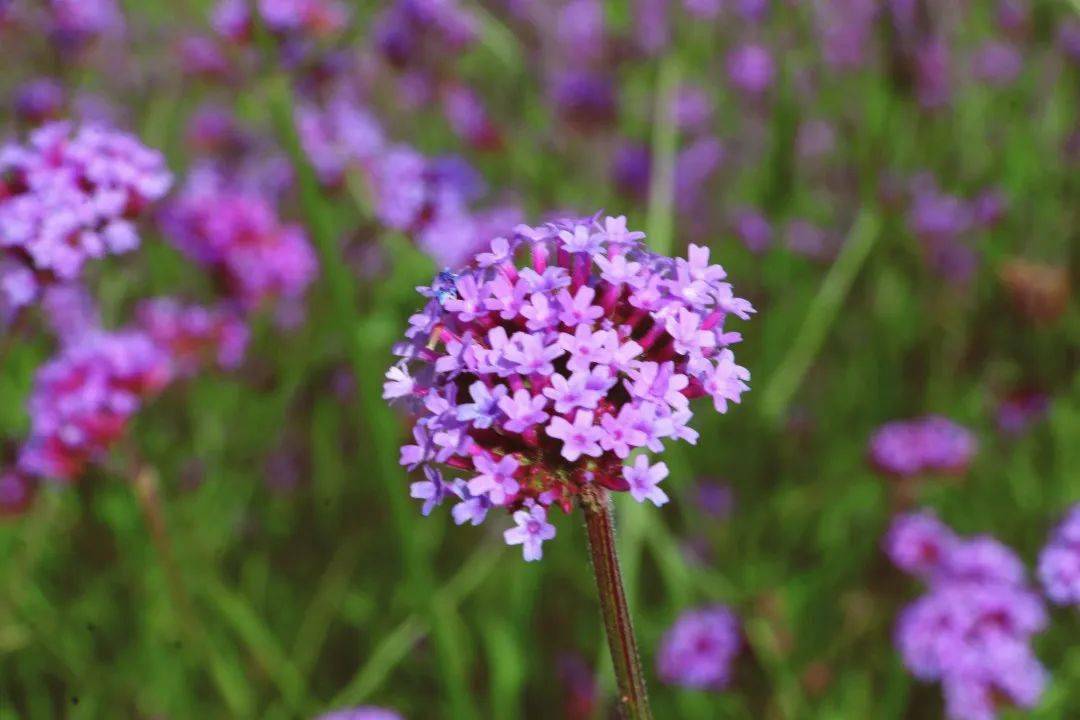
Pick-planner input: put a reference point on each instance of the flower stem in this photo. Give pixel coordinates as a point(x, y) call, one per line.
point(600, 525)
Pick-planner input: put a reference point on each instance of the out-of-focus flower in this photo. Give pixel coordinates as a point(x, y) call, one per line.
point(703, 9)
point(202, 57)
point(237, 235)
point(716, 499)
point(1014, 17)
point(17, 491)
point(754, 230)
point(809, 240)
point(631, 169)
point(73, 23)
point(751, 69)
point(193, 335)
point(989, 207)
point(83, 399)
point(67, 197)
point(1039, 291)
point(1059, 561)
point(533, 382)
point(1019, 411)
point(338, 135)
point(694, 166)
point(972, 630)
point(1068, 38)
point(845, 28)
point(585, 99)
point(815, 139)
point(651, 25)
point(997, 63)
point(421, 33)
point(214, 130)
point(579, 687)
point(232, 19)
point(39, 100)
point(931, 444)
point(693, 108)
point(940, 221)
point(699, 649)
point(364, 712)
point(933, 78)
point(468, 117)
point(71, 312)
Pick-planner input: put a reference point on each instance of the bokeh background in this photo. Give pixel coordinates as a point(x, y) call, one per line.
point(894, 185)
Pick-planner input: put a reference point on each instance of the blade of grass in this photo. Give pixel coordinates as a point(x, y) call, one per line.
point(820, 316)
point(399, 642)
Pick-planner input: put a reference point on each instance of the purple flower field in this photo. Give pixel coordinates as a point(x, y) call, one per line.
point(505, 359)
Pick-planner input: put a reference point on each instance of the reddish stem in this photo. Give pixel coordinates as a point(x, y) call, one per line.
point(633, 697)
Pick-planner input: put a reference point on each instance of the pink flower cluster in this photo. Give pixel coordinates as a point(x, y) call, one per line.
point(972, 630)
point(530, 382)
point(68, 196)
point(193, 335)
point(238, 236)
point(1059, 562)
point(83, 399)
point(931, 444)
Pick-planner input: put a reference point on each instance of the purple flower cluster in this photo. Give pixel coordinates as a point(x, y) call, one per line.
point(1059, 562)
point(931, 444)
point(193, 335)
point(66, 197)
point(942, 222)
point(83, 399)
point(534, 381)
point(422, 34)
point(698, 650)
point(237, 234)
point(972, 630)
point(232, 19)
point(73, 23)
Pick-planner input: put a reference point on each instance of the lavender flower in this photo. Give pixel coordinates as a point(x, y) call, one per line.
point(1059, 561)
point(972, 630)
point(754, 230)
point(536, 381)
point(997, 63)
point(931, 444)
point(699, 649)
point(67, 197)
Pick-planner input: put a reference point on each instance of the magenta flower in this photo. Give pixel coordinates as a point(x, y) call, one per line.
point(67, 197)
point(930, 444)
point(530, 383)
point(237, 235)
point(364, 712)
point(972, 630)
point(698, 650)
point(531, 531)
point(1059, 561)
point(83, 399)
point(193, 335)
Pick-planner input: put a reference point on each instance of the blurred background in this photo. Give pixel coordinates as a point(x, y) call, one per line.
point(894, 185)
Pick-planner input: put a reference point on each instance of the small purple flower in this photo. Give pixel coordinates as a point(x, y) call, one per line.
point(754, 230)
point(751, 69)
point(919, 543)
point(531, 531)
point(432, 491)
point(495, 479)
point(523, 410)
point(997, 63)
point(698, 650)
point(39, 100)
point(1059, 561)
point(931, 444)
point(579, 438)
point(644, 480)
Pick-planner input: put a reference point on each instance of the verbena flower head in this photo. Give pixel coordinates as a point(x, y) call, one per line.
point(1059, 561)
point(237, 234)
point(699, 649)
point(972, 630)
point(531, 382)
point(83, 399)
point(69, 196)
point(931, 444)
point(193, 335)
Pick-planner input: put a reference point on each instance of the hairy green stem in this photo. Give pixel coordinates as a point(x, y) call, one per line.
point(600, 526)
